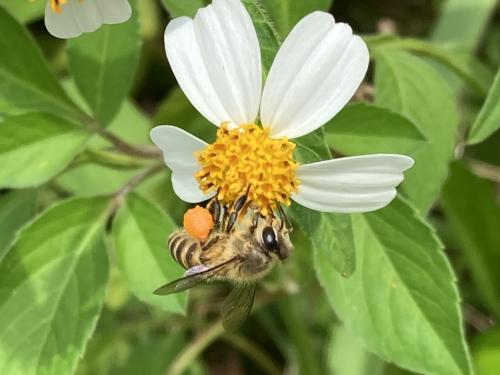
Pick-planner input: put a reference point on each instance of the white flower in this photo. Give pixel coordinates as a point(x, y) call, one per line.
point(71, 18)
point(216, 60)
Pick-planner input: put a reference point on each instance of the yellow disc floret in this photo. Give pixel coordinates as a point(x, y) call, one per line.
point(244, 160)
point(55, 5)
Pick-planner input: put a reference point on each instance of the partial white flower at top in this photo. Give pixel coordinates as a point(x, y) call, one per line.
point(71, 18)
point(216, 60)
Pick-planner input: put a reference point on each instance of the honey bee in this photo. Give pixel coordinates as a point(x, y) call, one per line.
point(241, 252)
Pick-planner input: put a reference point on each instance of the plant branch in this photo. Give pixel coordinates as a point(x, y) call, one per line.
point(113, 159)
point(131, 185)
point(126, 147)
point(485, 170)
point(254, 352)
point(186, 357)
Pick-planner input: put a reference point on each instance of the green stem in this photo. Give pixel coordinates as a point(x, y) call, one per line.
point(114, 159)
point(130, 185)
point(94, 126)
point(254, 352)
point(127, 148)
point(186, 357)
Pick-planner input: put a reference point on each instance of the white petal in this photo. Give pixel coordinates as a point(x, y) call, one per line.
point(351, 184)
point(315, 73)
point(216, 60)
point(179, 147)
point(79, 17)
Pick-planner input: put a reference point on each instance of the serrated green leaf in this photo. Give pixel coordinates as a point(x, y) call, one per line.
point(178, 8)
point(408, 85)
point(140, 233)
point(35, 147)
point(402, 300)
point(286, 13)
point(488, 120)
point(331, 234)
point(103, 64)
point(269, 39)
point(16, 208)
point(52, 285)
point(474, 215)
point(367, 129)
point(25, 79)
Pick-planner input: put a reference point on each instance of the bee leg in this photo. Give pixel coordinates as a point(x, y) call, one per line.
point(255, 220)
point(284, 218)
point(210, 242)
point(237, 207)
point(215, 209)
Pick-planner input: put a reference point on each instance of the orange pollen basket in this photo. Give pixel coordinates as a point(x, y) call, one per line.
point(244, 160)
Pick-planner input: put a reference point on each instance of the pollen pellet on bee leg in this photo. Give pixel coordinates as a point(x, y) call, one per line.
point(198, 222)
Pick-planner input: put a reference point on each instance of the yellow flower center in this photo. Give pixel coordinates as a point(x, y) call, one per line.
point(55, 5)
point(245, 160)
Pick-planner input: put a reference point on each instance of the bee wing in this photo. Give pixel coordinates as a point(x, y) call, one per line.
point(237, 306)
point(193, 279)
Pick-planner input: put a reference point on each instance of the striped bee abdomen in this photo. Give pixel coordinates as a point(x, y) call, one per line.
point(185, 249)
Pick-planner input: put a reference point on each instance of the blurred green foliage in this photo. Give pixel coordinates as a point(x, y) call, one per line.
point(86, 204)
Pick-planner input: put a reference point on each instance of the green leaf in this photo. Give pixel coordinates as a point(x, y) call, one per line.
point(401, 301)
point(286, 13)
point(178, 8)
point(25, 79)
point(347, 356)
point(103, 64)
point(488, 120)
point(267, 34)
point(367, 129)
point(86, 180)
point(486, 352)
point(409, 86)
point(463, 21)
point(472, 210)
point(153, 356)
point(35, 147)
point(456, 60)
point(16, 208)
point(140, 233)
point(52, 286)
point(23, 12)
point(330, 234)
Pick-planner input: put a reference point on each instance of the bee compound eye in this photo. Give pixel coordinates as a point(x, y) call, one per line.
point(269, 238)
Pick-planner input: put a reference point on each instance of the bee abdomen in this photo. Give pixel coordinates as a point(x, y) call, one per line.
point(184, 249)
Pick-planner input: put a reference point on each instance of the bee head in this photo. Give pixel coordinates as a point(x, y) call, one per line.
point(275, 239)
